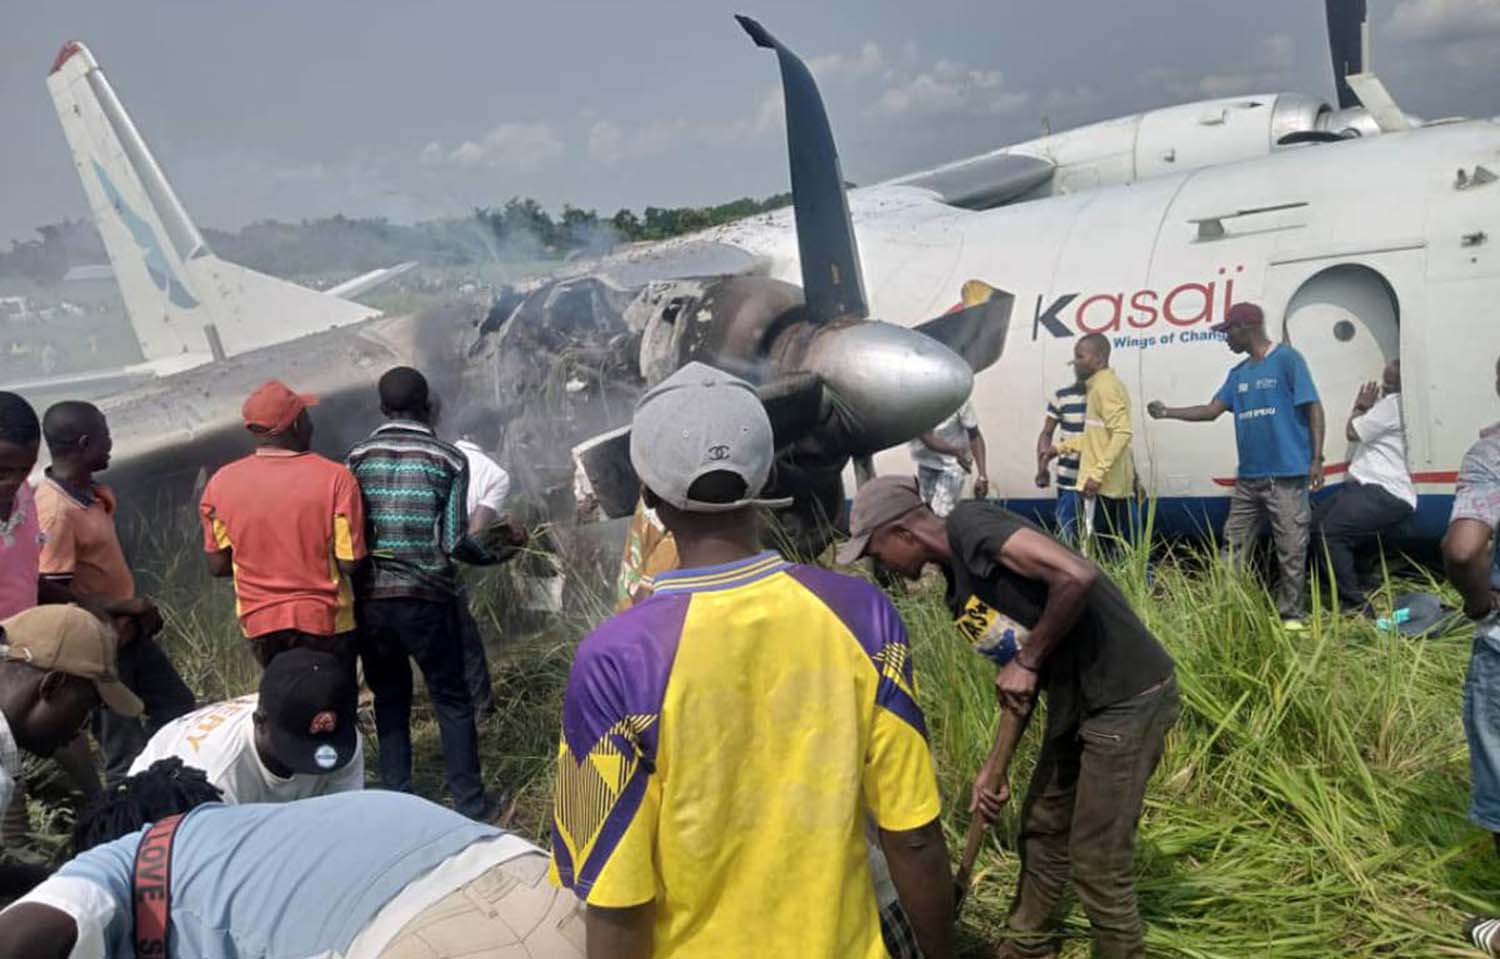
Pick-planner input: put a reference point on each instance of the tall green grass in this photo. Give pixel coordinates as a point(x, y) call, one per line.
point(1311, 802)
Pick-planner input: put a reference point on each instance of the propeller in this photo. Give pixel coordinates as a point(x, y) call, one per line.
point(1346, 45)
point(836, 383)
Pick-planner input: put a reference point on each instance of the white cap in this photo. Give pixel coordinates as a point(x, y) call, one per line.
point(697, 421)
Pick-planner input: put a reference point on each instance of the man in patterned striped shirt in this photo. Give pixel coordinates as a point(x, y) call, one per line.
point(416, 489)
point(1064, 420)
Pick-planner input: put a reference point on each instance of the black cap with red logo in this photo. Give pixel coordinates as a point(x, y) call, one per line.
point(309, 699)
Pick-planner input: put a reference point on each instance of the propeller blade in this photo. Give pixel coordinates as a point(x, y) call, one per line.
point(825, 238)
point(1346, 21)
point(977, 331)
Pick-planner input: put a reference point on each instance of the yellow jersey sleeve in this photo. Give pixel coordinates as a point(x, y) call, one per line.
point(900, 786)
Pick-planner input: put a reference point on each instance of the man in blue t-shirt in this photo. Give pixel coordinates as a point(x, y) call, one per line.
point(358, 874)
point(1278, 429)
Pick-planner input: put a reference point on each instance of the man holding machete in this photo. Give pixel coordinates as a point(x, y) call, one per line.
point(1050, 618)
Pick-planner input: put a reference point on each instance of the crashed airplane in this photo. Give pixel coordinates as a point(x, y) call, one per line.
point(558, 363)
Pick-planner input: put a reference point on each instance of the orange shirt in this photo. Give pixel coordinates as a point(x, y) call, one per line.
point(288, 517)
point(81, 541)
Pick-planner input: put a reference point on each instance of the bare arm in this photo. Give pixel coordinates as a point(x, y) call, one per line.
point(31, 930)
point(619, 933)
point(1318, 423)
point(1365, 399)
point(1044, 451)
point(919, 868)
point(981, 470)
point(1466, 556)
point(1202, 413)
point(482, 519)
point(1068, 578)
point(220, 564)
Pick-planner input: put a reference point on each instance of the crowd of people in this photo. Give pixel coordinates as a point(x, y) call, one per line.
point(743, 767)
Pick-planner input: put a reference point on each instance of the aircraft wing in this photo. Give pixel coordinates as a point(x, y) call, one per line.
point(366, 282)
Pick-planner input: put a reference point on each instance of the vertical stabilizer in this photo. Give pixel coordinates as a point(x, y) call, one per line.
point(173, 285)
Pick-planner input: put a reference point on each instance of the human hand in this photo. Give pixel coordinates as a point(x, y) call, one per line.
point(987, 803)
point(1368, 394)
point(981, 486)
point(1015, 684)
point(1043, 478)
point(1315, 474)
point(1156, 409)
point(1091, 487)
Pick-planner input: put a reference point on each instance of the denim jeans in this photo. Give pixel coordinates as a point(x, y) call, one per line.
point(1482, 725)
point(391, 630)
point(1069, 502)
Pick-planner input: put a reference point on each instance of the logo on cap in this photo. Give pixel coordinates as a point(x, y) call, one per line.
point(718, 452)
point(326, 756)
point(325, 722)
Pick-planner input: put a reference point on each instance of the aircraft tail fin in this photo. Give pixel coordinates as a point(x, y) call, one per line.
point(175, 288)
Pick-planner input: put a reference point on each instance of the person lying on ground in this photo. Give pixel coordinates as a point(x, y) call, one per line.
point(57, 664)
point(781, 698)
point(163, 869)
point(295, 739)
point(1049, 618)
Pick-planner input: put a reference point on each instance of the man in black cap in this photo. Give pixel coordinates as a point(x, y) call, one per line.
point(1278, 430)
point(297, 738)
point(1050, 619)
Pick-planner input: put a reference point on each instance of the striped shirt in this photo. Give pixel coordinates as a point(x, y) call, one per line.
point(1067, 406)
point(416, 489)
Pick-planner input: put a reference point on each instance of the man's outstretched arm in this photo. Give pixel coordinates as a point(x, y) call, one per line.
point(1202, 413)
point(918, 860)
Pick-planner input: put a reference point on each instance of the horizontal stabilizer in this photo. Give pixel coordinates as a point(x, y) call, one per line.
point(366, 282)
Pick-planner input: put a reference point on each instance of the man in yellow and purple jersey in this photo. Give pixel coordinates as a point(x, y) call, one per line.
point(724, 740)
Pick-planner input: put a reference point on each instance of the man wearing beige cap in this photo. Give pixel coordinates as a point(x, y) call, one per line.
point(1050, 620)
point(289, 526)
point(57, 664)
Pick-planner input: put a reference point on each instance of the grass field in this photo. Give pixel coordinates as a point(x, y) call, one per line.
point(1311, 802)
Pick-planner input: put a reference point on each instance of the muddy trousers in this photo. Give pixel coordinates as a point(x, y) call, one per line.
point(1079, 819)
point(1284, 501)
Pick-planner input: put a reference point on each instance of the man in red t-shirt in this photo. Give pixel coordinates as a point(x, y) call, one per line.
point(289, 525)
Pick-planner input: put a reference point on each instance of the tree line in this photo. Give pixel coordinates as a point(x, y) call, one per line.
point(521, 228)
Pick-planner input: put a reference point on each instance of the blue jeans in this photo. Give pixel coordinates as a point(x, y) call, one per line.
point(1069, 504)
point(1482, 725)
point(393, 632)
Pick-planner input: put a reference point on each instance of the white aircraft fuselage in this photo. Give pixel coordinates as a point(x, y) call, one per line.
point(1366, 249)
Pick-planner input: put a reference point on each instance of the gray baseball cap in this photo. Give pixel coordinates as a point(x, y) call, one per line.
point(882, 500)
point(697, 421)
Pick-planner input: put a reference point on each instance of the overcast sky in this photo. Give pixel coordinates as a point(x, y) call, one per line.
point(288, 109)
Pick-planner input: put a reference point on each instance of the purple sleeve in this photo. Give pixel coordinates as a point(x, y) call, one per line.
point(611, 709)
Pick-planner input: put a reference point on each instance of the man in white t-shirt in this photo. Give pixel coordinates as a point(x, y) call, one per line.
point(1378, 493)
point(489, 485)
point(945, 455)
point(298, 738)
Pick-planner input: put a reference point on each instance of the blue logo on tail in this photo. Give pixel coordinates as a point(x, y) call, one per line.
point(156, 259)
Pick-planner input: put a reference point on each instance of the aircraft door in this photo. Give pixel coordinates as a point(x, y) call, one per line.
point(1345, 321)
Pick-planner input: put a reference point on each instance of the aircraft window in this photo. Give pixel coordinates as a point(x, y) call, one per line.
point(1343, 331)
